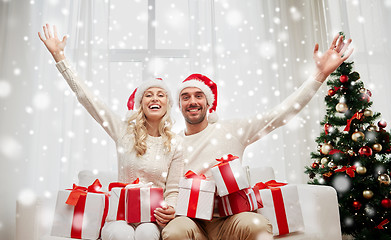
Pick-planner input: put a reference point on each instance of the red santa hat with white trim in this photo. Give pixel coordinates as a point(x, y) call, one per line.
point(208, 87)
point(134, 101)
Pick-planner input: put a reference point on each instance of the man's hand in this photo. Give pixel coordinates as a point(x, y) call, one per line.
point(164, 214)
point(52, 43)
point(329, 61)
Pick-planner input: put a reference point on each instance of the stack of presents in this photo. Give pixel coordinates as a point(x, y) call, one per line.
point(82, 211)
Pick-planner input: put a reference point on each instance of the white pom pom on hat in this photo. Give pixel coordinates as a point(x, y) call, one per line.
point(208, 87)
point(134, 101)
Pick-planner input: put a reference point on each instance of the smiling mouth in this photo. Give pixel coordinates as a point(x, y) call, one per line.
point(193, 109)
point(154, 107)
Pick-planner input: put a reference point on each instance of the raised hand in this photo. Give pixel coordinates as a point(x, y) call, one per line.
point(329, 61)
point(52, 43)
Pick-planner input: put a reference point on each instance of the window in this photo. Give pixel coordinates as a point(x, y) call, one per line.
point(153, 33)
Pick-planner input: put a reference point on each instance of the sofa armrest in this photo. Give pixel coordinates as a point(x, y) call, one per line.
point(319, 205)
point(34, 220)
point(26, 224)
point(259, 174)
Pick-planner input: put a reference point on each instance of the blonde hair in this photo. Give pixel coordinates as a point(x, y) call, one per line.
point(137, 125)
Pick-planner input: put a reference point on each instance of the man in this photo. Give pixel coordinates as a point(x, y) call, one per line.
point(205, 142)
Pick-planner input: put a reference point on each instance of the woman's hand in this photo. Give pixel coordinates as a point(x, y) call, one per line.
point(164, 214)
point(329, 61)
point(52, 43)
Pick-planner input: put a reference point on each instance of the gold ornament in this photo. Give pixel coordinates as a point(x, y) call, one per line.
point(341, 107)
point(372, 128)
point(326, 148)
point(377, 147)
point(384, 179)
point(358, 136)
point(362, 90)
point(324, 161)
point(368, 113)
point(368, 194)
point(361, 170)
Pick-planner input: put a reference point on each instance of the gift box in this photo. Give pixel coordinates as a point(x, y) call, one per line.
point(229, 175)
point(196, 196)
point(117, 201)
point(80, 212)
point(141, 200)
point(245, 200)
point(281, 206)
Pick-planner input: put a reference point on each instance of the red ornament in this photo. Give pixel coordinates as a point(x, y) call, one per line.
point(365, 151)
point(369, 93)
point(386, 203)
point(315, 165)
point(382, 124)
point(365, 96)
point(343, 79)
point(327, 127)
point(331, 92)
point(357, 205)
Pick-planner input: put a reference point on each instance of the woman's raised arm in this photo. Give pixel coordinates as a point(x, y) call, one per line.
point(52, 43)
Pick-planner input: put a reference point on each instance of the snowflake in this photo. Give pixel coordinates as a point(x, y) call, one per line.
point(41, 100)
point(5, 89)
point(234, 18)
point(17, 71)
point(10, 147)
point(295, 14)
point(341, 183)
point(267, 50)
point(26, 197)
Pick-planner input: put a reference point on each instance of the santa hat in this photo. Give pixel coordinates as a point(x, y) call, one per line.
point(208, 87)
point(134, 101)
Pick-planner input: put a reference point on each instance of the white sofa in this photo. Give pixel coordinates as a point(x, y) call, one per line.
point(318, 203)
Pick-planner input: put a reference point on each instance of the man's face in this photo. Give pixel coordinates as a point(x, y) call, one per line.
point(193, 104)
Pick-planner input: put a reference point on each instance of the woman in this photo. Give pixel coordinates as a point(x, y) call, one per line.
point(146, 147)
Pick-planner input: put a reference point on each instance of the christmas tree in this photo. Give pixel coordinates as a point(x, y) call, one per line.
point(353, 156)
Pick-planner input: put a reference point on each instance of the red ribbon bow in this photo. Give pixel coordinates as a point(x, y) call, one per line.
point(78, 191)
point(349, 170)
point(269, 184)
point(122, 185)
point(334, 151)
point(357, 115)
point(384, 222)
point(191, 174)
point(226, 159)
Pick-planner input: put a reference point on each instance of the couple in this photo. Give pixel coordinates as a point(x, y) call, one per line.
point(147, 149)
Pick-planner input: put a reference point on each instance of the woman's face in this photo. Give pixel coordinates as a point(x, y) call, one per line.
point(154, 103)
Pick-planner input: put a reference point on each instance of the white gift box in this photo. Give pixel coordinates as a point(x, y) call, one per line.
point(230, 177)
point(281, 206)
point(115, 204)
point(70, 221)
point(196, 201)
point(140, 202)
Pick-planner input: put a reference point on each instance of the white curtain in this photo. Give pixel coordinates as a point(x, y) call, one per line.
point(258, 52)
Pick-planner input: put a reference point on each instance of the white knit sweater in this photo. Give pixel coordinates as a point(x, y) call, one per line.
point(233, 136)
point(157, 165)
